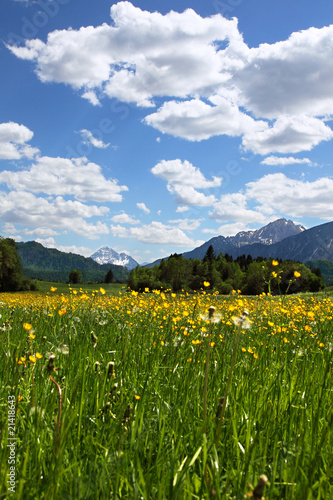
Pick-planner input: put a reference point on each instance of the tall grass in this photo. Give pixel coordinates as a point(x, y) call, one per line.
point(134, 388)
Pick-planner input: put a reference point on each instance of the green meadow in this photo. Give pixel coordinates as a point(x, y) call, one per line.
point(124, 395)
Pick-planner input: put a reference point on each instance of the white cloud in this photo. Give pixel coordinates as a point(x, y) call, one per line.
point(182, 209)
point(215, 84)
point(13, 139)
point(233, 207)
point(233, 229)
point(91, 97)
point(260, 204)
point(143, 207)
point(295, 198)
point(156, 233)
point(187, 195)
point(187, 224)
point(289, 134)
point(275, 160)
point(183, 173)
point(61, 176)
point(20, 207)
point(90, 139)
point(183, 181)
point(142, 54)
point(124, 219)
point(195, 120)
point(290, 77)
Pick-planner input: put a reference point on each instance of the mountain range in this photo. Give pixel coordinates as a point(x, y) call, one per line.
point(106, 255)
point(281, 239)
point(304, 245)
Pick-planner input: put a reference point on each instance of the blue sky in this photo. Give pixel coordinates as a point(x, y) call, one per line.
point(152, 126)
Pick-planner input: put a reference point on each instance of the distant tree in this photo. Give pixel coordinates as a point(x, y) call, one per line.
point(75, 277)
point(11, 274)
point(210, 254)
point(109, 276)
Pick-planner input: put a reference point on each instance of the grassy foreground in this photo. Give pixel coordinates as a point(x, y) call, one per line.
point(120, 396)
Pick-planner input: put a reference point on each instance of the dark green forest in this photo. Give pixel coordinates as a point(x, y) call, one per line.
point(224, 274)
point(12, 278)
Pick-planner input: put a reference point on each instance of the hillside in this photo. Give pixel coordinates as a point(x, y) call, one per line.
point(326, 268)
point(310, 244)
point(50, 264)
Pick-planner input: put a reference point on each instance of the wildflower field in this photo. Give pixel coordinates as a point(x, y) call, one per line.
point(165, 396)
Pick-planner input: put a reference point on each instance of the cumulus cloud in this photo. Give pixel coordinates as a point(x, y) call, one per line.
point(89, 138)
point(289, 77)
point(61, 176)
point(156, 233)
point(290, 160)
point(124, 218)
point(259, 204)
point(275, 96)
point(183, 180)
point(143, 207)
point(21, 207)
point(289, 134)
point(297, 198)
point(234, 207)
point(187, 224)
point(13, 139)
point(195, 120)
point(140, 55)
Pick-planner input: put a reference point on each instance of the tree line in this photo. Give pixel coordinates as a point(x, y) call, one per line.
point(224, 274)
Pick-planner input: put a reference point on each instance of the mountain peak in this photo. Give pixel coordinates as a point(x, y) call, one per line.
point(271, 233)
point(106, 255)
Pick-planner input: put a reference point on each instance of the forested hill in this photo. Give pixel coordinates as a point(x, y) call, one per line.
point(50, 264)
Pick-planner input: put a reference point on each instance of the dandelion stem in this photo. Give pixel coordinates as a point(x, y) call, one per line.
point(233, 361)
point(206, 378)
point(59, 414)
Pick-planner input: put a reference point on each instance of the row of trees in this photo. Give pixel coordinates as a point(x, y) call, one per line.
point(251, 276)
point(75, 277)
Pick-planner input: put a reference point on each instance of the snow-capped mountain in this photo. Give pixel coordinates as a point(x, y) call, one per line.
point(272, 233)
point(106, 255)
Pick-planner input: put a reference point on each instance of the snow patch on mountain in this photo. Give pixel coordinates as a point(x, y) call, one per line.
point(106, 255)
